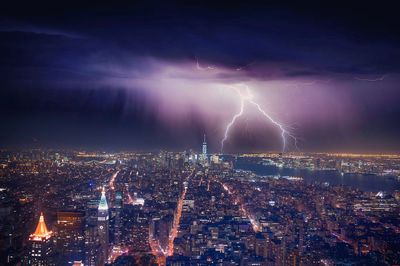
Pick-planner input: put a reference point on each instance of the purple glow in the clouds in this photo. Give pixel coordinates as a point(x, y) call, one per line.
point(177, 89)
point(182, 94)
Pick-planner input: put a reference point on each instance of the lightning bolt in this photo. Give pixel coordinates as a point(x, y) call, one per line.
point(232, 122)
point(249, 98)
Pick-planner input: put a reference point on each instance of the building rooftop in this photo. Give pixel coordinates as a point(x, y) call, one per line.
point(41, 233)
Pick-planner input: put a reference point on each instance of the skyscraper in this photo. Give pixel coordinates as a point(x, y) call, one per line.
point(70, 235)
point(118, 207)
point(92, 242)
point(203, 155)
point(92, 245)
point(204, 146)
point(40, 246)
point(102, 224)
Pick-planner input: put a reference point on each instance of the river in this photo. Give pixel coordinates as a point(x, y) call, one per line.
point(372, 183)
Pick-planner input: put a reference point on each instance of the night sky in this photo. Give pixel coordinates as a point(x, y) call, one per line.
point(151, 75)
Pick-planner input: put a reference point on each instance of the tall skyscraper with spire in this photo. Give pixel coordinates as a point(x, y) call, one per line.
point(204, 146)
point(40, 246)
point(203, 155)
point(102, 225)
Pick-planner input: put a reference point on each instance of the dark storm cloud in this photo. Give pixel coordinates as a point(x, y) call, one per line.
point(55, 56)
point(325, 38)
point(230, 33)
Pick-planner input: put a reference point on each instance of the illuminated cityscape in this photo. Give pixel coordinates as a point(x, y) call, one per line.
point(171, 209)
point(199, 133)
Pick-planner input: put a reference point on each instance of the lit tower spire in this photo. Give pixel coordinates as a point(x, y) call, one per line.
point(103, 205)
point(41, 231)
point(40, 251)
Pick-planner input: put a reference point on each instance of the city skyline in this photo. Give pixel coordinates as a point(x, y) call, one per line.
point(199, 133)
point(110, 78)
point(193, 208)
